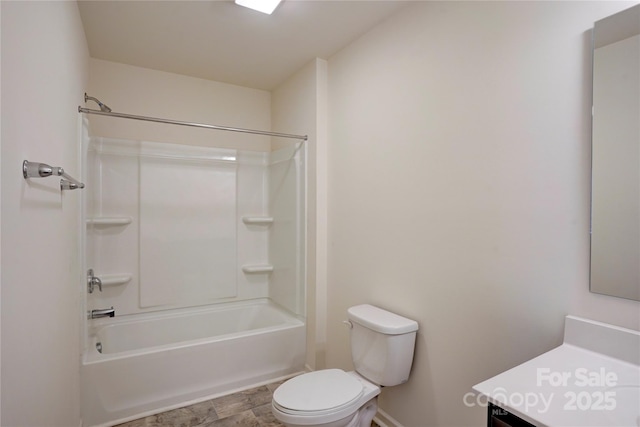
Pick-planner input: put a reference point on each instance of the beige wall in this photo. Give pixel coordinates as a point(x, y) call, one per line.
point(459, 190)
point(145, 92)
point(44, 75)
point(299, 105)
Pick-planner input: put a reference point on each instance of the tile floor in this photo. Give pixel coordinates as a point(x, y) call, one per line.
point(249, 408)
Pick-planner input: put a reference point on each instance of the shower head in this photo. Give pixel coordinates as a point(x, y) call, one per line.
point(102, 106)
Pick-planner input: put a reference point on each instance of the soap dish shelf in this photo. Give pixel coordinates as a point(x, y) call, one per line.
point(109, 220)
point(257, 268)
point(257, 220)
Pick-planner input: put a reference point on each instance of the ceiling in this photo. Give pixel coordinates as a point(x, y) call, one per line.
point(218, 40)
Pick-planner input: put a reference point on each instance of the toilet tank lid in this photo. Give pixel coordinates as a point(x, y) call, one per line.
point(380, 320)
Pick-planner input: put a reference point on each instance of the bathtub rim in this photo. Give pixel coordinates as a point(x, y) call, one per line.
point(90, 355)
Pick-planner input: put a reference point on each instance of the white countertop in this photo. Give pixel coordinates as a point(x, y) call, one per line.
point(591, 380)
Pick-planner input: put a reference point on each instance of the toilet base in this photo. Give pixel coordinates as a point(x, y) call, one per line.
point(365, 414)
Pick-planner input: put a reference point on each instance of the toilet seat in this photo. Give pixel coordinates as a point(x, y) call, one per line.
point(322, 397)
point(318, 391)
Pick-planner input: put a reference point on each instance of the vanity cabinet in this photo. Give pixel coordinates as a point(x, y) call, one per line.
point(590, 349)
point(498, 417)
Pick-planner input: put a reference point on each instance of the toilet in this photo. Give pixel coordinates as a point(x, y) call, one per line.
point(382, 346)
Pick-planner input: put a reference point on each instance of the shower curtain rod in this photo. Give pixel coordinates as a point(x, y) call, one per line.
point(192, 124)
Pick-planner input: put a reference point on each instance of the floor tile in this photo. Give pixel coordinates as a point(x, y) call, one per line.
point(189, 416)
point(265, 416)
point(235, 403)
point(249, 408)
point(242, 419)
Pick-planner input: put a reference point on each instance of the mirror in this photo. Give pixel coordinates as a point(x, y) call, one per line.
point(615, 191)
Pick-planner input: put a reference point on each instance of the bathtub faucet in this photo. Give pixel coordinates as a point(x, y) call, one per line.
point(105, 312)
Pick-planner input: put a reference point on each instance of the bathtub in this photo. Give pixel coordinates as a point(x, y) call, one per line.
point(147, 363)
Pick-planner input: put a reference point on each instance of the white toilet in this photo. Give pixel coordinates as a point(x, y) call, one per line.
point(382, 346)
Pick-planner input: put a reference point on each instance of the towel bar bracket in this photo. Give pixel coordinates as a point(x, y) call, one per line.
point(43, 170)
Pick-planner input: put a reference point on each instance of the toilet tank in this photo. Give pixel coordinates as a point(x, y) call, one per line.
point(382, 344)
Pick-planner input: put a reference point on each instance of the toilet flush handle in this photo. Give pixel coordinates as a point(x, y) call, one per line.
point(348, 323)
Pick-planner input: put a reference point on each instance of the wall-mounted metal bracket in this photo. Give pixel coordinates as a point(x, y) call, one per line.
point(43, 170)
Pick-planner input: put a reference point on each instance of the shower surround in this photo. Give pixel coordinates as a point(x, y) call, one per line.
point(200, 253)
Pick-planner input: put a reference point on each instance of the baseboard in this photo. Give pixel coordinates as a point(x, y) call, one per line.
point(385, 420)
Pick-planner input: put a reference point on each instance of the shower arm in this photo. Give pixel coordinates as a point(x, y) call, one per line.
point(103, 107)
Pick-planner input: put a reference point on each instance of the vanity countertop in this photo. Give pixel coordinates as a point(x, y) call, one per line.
point(592, 379)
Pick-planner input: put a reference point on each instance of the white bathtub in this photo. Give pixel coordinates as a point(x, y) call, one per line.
point(158, 361)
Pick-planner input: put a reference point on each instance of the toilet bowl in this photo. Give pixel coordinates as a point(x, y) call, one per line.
point(382, 345)
point(326, 398)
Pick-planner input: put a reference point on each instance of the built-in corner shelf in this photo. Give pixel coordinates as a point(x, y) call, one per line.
point(257, 220)
point(109, 220)
point(257, 268)
point(115, 279)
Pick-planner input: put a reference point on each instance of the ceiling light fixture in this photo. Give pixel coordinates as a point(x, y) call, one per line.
point(264, 6)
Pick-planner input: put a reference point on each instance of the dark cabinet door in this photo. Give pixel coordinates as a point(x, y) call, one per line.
point(498, 417)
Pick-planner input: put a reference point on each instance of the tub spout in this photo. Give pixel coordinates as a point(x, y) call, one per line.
point(105, 312)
